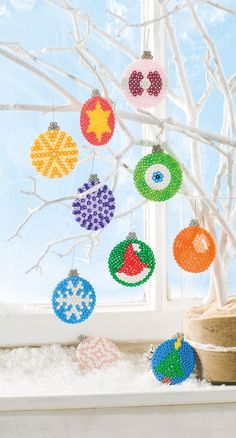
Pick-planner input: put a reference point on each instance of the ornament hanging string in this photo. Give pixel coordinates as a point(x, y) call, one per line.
point(181, 272)
point(92, 166)
point(146, 38)
point(195, 207)
point(95, 77)
point(73, 258)
point(53, 110)
point(131, 219)
point(159, 136)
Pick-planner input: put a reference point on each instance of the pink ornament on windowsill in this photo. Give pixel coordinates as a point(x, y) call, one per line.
point(144, 82)
point(94, 352)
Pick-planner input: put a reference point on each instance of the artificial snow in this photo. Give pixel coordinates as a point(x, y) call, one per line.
point(54, 370)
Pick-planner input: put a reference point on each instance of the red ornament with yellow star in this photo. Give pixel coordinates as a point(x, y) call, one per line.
point(97, 120)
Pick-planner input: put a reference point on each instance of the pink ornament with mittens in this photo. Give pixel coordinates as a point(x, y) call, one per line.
point(94, 352)
point(144, 82)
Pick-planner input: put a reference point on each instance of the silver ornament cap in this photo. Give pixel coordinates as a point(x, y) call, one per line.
point(53, 126)
point(194, 223)
point(131, 236)
point(95, 92)
point(73, 273)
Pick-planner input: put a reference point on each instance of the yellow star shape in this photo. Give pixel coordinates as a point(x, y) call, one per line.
point(98, 121)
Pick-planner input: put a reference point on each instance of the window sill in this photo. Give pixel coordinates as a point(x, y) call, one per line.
point(165, 397)
point(49, 378)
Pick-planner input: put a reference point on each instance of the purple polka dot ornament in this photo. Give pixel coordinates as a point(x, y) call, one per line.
point(95, 210)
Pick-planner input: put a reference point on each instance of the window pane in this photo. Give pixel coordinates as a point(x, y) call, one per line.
point(194, 57)
point(22, 21)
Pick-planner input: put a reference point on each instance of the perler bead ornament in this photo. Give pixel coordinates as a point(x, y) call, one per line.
point(94, 352)
point(131, 262)
point(95, 210)
point(194, 248)
point(173, 361)
point(143, 82)
point(54, 153)
point(158, 176)
point(73, 299)
point(97, 120)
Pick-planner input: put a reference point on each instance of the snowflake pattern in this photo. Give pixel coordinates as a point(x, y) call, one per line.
point(73, 300)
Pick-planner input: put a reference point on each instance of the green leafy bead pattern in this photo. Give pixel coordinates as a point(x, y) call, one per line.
point(131, 262)
point(158, 176)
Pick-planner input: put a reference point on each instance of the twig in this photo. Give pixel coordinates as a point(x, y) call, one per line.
point(84, 18)
point(176, 8)
point(221, 7)
point(40, 74)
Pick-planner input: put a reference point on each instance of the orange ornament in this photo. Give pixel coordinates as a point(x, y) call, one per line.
point(194, 248)
point(54, 153)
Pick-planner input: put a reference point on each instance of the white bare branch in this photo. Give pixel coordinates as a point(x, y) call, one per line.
point(84, 18)
point(126, 24)
point(222, 143)
point(40, 74)
point(221, 6)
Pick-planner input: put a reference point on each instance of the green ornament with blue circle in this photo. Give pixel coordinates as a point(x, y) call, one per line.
point(158, 176)
point(73, 299)
point(173, 361)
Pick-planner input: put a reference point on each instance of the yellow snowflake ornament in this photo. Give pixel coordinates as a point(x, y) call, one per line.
point(54, 153)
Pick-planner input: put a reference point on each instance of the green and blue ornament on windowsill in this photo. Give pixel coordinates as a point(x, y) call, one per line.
point(173, 361)
point(158, 176)
point(131, 262)
point(73, 299)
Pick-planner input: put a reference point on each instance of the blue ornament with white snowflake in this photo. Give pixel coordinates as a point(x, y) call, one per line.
point(73, 299)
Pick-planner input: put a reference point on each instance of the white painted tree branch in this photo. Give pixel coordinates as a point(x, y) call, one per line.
point(28, 107)
point(61, 200)
point(84, 18)
point(37, 265)
point(196, 133)
point(221, 6)
point(221, 143)
point(126, 24)
point(229, 111)
point(19, 50)
point(40, 74)
point(92, 237)
point(220, 72)
point(204, 197)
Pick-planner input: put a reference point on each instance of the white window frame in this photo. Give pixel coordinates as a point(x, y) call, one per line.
point(154, 319)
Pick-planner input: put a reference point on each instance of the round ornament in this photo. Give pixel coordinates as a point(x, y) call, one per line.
point(131, 262)
point(158, 176)
point(173, 361)
point(97, 120)
point(94, 352)
point(144, 82)
point(95, 210)
point(194, 248)
point(73, 299)
point(54, 153)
